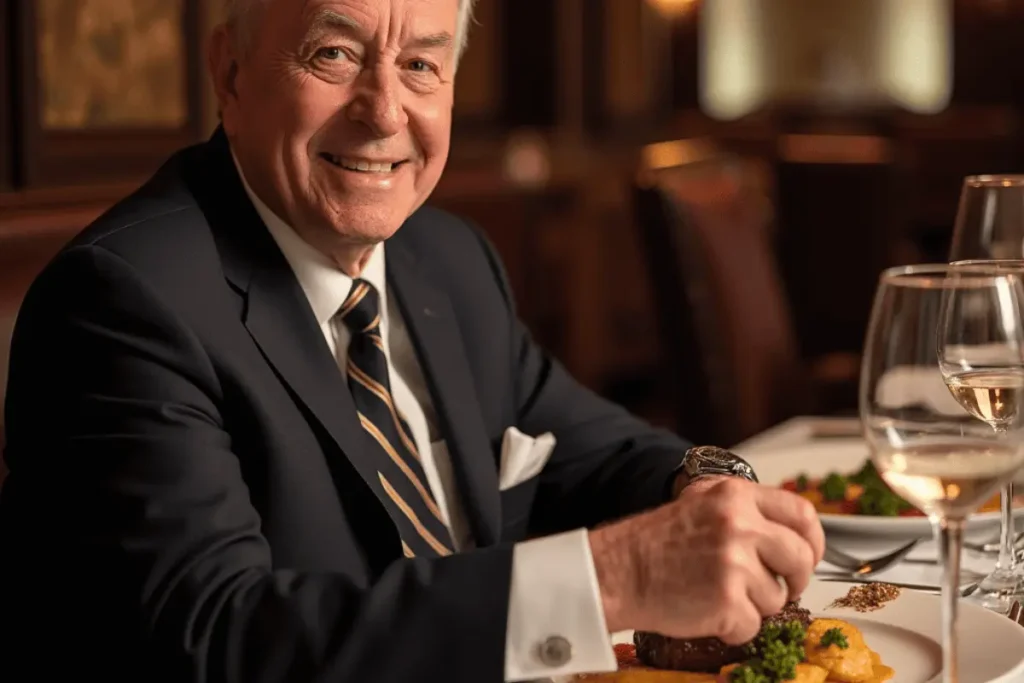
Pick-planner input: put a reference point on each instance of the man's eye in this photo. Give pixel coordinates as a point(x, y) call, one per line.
point(420, 65)
point(330, 53)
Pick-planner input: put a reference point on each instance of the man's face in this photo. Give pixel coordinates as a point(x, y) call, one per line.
point(340, 112)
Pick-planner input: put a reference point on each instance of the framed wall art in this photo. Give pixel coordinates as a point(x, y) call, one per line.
point(107, 88)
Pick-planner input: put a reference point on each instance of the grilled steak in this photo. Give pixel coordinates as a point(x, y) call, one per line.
point(703, 654)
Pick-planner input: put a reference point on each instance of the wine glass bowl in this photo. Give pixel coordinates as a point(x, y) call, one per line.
point(930, 323)
point(980, 357)
point(990, 218)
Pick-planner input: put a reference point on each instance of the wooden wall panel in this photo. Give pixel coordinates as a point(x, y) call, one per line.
point(627, 93)
point(6, 155)
point(479, 84)
point(529, 64)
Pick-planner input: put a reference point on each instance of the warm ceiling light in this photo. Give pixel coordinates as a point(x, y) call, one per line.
point(673, 8)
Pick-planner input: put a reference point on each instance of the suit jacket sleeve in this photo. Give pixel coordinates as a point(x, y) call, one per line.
point(607, 463)
point(146, 560)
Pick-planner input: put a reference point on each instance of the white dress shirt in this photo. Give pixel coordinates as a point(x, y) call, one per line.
point(554, 589)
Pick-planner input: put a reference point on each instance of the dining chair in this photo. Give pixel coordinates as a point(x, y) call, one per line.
point(731, 354)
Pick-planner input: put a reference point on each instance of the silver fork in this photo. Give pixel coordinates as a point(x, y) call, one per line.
point(858, 567)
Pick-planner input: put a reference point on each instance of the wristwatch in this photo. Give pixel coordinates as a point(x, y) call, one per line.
point(701, 461)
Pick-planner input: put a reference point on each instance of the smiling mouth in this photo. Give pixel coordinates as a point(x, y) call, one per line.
point(360, 166)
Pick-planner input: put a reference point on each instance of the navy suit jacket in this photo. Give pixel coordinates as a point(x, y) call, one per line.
point(188, 498)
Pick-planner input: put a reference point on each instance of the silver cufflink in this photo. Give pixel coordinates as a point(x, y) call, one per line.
point(555, 651)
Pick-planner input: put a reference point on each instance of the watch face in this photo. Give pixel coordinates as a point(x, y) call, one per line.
point(715, 460)
point(713, 456)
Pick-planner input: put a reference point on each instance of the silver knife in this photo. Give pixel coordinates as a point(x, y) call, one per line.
point(912, 586)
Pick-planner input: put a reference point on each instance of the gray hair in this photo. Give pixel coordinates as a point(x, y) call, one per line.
point(239, 21)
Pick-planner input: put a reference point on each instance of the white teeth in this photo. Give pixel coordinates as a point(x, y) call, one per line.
point(364, 166)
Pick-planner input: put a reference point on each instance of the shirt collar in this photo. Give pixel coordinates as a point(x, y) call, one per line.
point(325, 285)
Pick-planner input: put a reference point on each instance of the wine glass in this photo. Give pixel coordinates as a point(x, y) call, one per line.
point(990, 225)
point(991, 380)
point(923, 443)
point(990, 218)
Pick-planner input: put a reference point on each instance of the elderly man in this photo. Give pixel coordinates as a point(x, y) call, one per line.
point(271, 420)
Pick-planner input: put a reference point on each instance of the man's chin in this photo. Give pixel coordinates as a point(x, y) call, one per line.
point(362, 224)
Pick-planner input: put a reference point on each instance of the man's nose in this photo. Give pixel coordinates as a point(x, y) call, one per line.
point(378, 103)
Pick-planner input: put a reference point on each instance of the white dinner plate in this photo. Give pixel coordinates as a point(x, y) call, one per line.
point(906, 634)
point(844, 456)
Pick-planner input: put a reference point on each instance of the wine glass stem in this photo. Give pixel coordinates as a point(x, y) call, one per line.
point(1007, 556)
point(950, 535)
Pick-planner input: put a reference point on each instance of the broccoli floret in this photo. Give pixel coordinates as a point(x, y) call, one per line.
point(773, 656)
point(833, 488)
point(878, 501)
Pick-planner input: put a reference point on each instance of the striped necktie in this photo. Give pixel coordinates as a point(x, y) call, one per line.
point(403, 484)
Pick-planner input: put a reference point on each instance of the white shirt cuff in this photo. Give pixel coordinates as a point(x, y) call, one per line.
point(555, 610)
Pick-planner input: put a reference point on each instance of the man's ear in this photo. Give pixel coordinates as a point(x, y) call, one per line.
point(222, 63)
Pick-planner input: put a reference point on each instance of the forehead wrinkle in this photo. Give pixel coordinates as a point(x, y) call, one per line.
point(326, 21)
point(443, 39)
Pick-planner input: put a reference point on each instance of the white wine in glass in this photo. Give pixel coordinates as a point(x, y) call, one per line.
point(993, 395)
point(927, 447)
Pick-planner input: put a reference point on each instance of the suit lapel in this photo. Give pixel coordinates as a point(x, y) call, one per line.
point(428, 314)
point(277, 313)
point(281, 323)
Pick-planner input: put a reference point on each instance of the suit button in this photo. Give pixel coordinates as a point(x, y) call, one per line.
point(555, 651)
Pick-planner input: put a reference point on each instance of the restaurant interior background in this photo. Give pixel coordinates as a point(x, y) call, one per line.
point(693, 198)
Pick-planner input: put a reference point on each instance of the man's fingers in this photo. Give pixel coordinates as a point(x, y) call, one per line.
point(786, 554)
point(765, 591)
point(742, 624)
point(794, 512)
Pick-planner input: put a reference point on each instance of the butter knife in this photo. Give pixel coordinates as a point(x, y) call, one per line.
point(964, 590)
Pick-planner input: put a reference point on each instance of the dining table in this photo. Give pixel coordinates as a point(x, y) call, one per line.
point(825, 436)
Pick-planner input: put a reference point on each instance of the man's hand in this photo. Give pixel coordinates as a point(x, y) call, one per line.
point(708, 564)
point(683, 484)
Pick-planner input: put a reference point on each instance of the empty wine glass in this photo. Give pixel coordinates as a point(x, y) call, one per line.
point(989, 219)
point(923, 443)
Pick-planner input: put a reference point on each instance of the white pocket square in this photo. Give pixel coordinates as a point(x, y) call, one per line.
point(523, 457)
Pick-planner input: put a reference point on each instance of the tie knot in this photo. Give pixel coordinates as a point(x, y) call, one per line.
point(361, 310)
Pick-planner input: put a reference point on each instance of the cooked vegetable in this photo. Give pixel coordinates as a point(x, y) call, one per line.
point(774, 655)
point(835, 636)
point(867, 476)
point(881, 502)
point(834, 487)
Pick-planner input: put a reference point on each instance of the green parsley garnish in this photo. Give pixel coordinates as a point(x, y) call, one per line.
point(835, 636)
point(833, 488)
point(802, 482)
point(868, 476)
point(773, 655)
point(745, 673)
point(877, 501)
